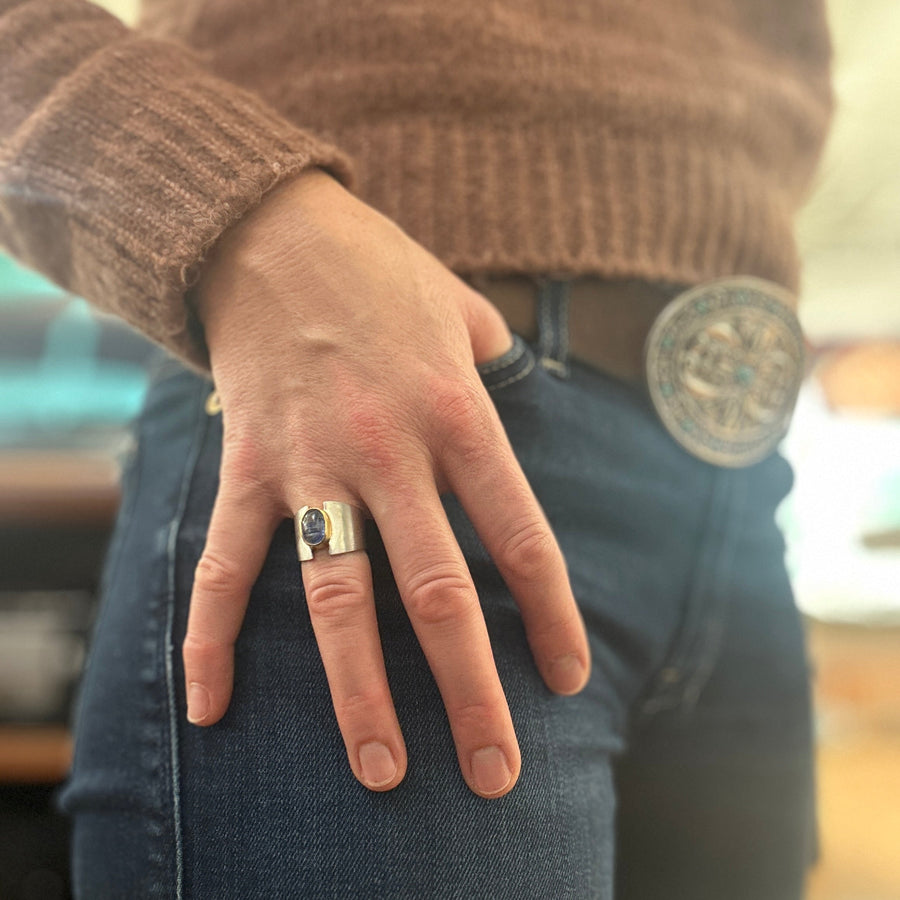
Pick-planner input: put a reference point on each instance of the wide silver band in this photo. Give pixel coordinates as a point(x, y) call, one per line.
point(335, 526)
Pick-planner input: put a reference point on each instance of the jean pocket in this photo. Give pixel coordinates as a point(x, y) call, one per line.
point(511, 368)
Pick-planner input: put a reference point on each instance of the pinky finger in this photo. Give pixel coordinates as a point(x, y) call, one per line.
point(240, 532)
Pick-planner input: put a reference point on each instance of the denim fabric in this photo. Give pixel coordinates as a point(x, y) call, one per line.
point(682, 771)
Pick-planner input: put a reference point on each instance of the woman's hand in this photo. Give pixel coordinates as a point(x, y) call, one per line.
point(344, 357)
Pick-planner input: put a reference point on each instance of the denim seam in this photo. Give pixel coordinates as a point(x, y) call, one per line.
point(514, 354)
point(553, 327)
point(130, 469)
point(563, 343)
point(191, 460)
point(513, 378)
point(714, 630)
point(563, 788)
point(703, 607)
point(547, 325)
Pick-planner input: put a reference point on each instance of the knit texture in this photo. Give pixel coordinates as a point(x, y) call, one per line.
point(667, 141)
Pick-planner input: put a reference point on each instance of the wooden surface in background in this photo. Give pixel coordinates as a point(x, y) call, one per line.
point(35, 754)
point(46, 487)
point(858, 716)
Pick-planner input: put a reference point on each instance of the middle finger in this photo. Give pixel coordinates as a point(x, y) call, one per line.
point(443, 607)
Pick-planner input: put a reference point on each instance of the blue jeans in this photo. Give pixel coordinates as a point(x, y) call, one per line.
point(682, 771)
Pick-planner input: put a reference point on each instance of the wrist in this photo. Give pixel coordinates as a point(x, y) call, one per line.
point(259, 235)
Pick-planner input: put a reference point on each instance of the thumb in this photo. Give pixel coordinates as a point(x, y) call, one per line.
point(488, 331)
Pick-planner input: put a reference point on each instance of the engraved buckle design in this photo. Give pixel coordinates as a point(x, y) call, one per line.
point(724, 363)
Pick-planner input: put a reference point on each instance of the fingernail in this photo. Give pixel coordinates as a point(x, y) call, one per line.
point(490, 770)
point(198, 702)
point(568, 674)
point(377, 764)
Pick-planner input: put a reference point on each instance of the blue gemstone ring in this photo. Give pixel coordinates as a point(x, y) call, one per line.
point(337, 526)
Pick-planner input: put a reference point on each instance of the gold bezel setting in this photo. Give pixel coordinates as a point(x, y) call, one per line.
point(308, 535)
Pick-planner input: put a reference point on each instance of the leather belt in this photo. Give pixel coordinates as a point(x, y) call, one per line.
point(608, 320)
point(722, 362)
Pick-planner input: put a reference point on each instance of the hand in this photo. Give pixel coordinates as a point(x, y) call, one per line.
point(344, 357)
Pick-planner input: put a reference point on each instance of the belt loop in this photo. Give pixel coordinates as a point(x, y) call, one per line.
point(553, 325)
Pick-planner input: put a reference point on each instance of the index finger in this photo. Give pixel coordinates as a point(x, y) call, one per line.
point(489, 482)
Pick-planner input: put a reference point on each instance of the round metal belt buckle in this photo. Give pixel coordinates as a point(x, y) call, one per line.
point(724, 363)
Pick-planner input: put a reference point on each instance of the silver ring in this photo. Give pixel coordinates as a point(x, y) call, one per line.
point(337, 526)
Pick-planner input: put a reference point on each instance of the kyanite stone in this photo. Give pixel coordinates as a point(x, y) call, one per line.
point(312, 527)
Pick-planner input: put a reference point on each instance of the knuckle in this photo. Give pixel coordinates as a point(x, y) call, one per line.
point(553, 633)
point(244, 461)
point(458, 403)
point(335, 595)
point(476, 447)
point(375, 435)
point(530, 552)
point(475, 719)
point(441, 599)
point(362, 706)
point(466, 423)
point(201, 651)
point(215, 574)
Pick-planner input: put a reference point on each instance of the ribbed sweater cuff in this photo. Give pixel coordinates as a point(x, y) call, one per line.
point(177, 157)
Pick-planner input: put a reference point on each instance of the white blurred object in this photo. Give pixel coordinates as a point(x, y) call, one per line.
point(127, 10)
point(43, 635)
point(847, 490)
point(849, 232)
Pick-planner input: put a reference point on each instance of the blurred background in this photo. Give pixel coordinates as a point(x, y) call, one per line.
point(70, 382)
point(843, 518)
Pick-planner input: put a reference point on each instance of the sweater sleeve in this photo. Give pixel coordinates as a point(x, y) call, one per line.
point(122, 161)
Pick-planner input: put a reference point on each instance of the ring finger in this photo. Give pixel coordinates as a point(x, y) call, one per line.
point(342, 610)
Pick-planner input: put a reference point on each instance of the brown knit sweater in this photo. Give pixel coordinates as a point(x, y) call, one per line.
point(665, 140)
